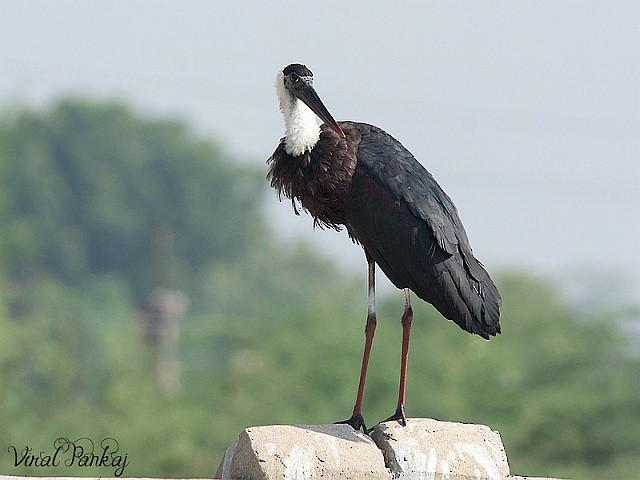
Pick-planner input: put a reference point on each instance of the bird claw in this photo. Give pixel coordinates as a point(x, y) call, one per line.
point(399, 416)
point(356, 422)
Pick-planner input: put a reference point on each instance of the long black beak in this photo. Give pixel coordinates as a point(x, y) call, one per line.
point(311, 99)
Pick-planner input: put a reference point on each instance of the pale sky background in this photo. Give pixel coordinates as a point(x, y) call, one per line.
point(526, 112)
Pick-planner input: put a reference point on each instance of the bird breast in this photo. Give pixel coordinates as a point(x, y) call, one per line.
point(318, 179)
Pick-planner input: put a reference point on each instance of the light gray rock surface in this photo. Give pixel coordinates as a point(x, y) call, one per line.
point(424, 449)
point(429, 449)
point(302, 452)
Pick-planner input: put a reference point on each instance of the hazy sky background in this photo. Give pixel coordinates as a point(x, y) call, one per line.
point(527, 113)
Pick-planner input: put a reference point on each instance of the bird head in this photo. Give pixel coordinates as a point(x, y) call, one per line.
point(295, 82)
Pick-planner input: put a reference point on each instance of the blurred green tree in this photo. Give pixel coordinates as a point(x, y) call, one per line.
point(92, 188)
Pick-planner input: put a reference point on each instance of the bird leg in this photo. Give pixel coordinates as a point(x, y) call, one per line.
point(356, 420)
point(407, 317)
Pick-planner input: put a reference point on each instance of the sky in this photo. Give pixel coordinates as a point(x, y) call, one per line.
point(527, 113)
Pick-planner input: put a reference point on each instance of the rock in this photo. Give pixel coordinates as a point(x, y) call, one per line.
point(302, 452)
point(424, 449)
point(431, 449)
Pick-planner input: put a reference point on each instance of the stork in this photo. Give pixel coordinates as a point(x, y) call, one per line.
point(357, 176)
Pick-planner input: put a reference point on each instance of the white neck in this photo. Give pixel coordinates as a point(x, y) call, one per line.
point(301, 128)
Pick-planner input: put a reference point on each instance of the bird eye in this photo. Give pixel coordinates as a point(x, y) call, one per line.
point(294, 78)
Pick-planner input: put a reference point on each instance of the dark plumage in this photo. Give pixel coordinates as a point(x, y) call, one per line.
point(358, 176)
point(394, 208)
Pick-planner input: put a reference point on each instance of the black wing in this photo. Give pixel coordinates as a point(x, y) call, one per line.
point(411, 228)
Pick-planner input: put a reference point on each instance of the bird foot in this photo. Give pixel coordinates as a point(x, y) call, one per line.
point(357, 422)
point(399, 416)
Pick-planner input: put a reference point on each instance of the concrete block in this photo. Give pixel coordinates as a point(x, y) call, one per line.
point(302, 452)
point(430, 449)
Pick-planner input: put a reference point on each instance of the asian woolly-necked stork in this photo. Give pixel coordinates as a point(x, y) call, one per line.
point(358, 176)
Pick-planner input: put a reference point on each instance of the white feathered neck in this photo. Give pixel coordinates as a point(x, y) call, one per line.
point(301, 128)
